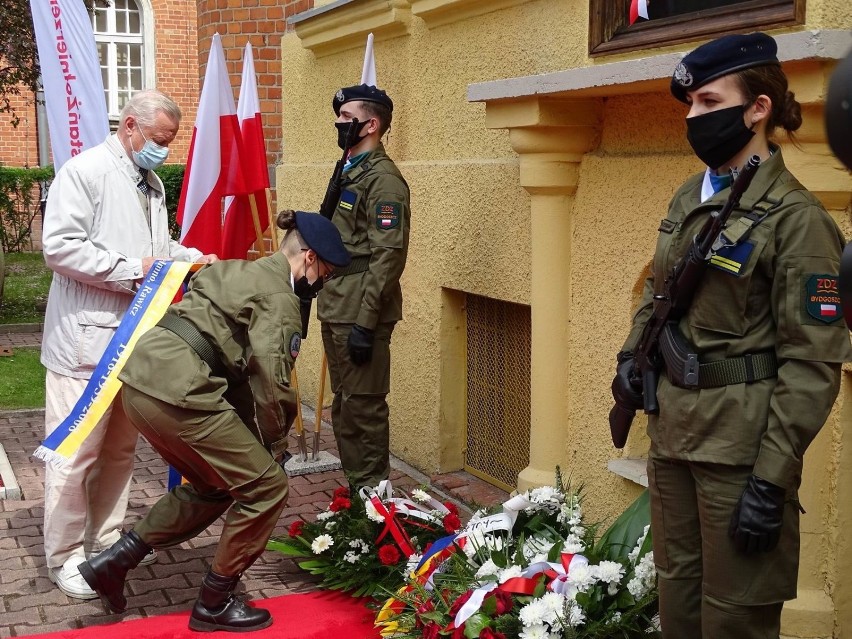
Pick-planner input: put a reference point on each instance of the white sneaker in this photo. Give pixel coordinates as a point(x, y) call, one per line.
point(150, 558)
point(70, 581)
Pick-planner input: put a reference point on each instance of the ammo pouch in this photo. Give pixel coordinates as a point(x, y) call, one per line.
point(187, 331)
point(684, 369)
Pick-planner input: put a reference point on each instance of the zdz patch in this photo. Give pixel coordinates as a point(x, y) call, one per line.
point(387, 215)
point(295, 345)
point(822, 300)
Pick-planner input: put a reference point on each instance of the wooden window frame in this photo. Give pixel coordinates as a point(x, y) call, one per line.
point(608, 19)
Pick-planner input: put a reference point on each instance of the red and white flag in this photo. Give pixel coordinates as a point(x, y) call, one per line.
point(368, 71)
point(213, 168)
point(240, 232)
point(638, 9)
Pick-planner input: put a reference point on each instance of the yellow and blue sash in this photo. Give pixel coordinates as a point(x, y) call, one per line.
point(148, 307)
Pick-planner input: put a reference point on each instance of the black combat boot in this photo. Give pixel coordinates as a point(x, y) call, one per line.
point(106, 572)
point(218, 609)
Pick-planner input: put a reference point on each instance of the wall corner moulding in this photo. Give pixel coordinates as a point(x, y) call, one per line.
point(345, 24)
point(439, 12)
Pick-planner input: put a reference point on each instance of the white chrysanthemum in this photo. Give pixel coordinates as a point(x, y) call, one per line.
point(488, 568)
point(610, 572)
point(420, 495)
point(538, 631)
point(533, 613)
point(330, 525)
point(322, 543)
point(644, 577)
point(536, 545)
point(359, 544)
point(554, 607)
point(509, 573)
point(582, 576)
point(351, 557)
point(478, 540)
point(633, 554)
point(326, 514)
point(372, 513)
point(544, 493)
point(616, 617)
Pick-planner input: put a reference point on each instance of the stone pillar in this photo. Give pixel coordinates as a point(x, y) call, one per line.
point(551, 136)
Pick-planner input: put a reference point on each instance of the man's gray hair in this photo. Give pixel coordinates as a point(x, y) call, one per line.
point(144, 106)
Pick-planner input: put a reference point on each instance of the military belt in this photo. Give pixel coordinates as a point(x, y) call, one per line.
point(187, 331)
point(357, 265)
point(751, 367)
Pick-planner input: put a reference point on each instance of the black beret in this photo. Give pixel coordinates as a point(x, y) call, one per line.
point(719, 57)
point(360, 92)
point(838, 112)
point(322, 236)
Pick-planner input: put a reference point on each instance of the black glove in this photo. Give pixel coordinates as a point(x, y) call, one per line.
point(626, 393)
point(756, 522)
point(360, 345)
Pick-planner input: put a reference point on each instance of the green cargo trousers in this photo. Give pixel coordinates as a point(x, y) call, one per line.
point(359, 412)
point(707, 588)
point(228, 472)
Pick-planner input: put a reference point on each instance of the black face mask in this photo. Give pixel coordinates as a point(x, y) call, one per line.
point(718, 136)
point(343, 130)
point(305, 290)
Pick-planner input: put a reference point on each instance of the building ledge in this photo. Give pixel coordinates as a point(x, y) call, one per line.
point(345, 24)
point(633, 468)
point(439, 12)
point(647, 74)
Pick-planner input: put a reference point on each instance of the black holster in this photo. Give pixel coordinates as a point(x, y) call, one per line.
point(682, 365)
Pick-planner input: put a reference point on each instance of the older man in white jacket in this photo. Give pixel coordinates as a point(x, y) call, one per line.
point(104, 225)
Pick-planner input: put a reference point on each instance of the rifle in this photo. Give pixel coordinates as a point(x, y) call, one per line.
point(673, 302)
point(329, 205)
point(332, 191)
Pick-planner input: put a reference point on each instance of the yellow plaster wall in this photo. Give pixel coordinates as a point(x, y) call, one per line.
point(471, 218)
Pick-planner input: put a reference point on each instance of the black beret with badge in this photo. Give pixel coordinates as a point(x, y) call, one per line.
point(363, 92)
point(722, 56)
point(322, 236)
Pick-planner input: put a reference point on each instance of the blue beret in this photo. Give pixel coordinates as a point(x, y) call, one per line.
point(362, 92)
point(719, 57)
point(322, 236)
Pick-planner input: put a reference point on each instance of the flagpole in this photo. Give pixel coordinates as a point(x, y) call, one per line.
point(273, 228)
point(255, 217)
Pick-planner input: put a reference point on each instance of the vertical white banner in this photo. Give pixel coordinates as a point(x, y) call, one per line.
point(368, 71)
point(71, 75)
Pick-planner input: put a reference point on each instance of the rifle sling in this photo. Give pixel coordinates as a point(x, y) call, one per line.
point(357, 265)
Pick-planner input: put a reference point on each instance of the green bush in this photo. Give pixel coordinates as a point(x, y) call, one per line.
point(172, 177)
point(19, 205)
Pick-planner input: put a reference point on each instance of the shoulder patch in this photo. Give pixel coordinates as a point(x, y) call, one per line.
point(387, 215)
point(295, 345)
point(822, 300)
point(347, 200)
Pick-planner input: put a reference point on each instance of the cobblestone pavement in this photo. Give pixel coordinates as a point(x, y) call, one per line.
point(30, 603)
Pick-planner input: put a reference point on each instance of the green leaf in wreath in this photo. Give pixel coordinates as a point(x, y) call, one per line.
point(621, 537)
point(474, 625)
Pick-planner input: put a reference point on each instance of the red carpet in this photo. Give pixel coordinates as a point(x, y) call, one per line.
point(316, 615)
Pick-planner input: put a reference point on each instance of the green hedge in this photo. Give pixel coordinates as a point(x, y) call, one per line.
point(172, 177)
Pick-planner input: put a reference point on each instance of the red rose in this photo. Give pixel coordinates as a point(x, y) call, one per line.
point(296, 528)
point(427, 606)
point(340, 503)
point(389, 555)
point(458, 603)
point(488, 633)
point(451, 507)
point(343, 491)
point(452, 523)
point(458, 633)
point(431, 631)
point(504, 602)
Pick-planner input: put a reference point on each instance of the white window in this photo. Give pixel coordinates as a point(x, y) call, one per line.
point(120, 36)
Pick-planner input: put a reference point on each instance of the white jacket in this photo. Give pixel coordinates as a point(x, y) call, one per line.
point(95, 235)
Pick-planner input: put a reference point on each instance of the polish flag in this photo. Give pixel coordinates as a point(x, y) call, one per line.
point(638, 9)
point(829, 310)
point(240, 232)
point(368, 72)
point(213, 167)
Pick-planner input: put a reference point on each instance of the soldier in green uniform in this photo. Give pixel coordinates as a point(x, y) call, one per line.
point(359, 308)
point(209, 388)
point(726, 453)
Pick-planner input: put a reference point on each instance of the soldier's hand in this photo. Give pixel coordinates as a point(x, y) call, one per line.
point(360, 345)
point(625, 391)
point(756, 521)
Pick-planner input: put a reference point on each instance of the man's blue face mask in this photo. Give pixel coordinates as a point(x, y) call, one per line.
point(151, 156)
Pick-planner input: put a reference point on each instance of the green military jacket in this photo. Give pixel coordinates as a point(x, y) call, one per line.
point(373, 216)
point(775, 291)
point(250, 315)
